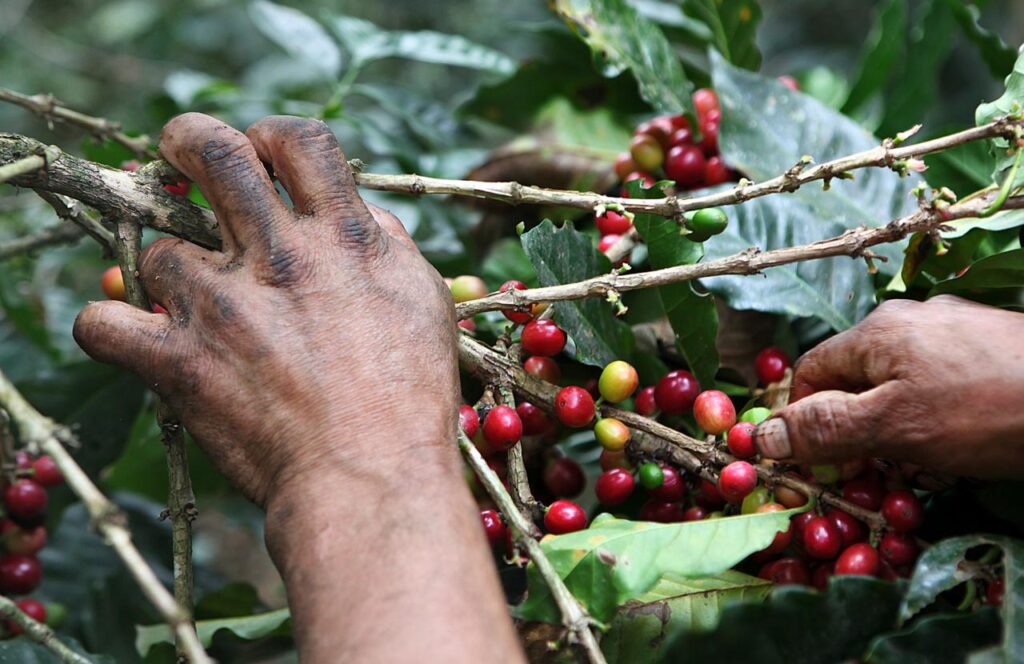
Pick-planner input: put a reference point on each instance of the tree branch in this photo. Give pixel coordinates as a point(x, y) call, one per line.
point(37, 161)
point(72, 211)
point(39, 632)
point(62, 234)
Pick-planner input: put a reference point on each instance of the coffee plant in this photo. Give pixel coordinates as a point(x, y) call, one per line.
point(646, 227)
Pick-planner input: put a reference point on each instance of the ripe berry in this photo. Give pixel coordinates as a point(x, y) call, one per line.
point(467, 324)
point(535, 421)
point(19, 574)
point(28, 541)
point(822, 573)
point(644, 402)
point(610, 460)
point(715, 171)
point(709, 496)
point(25, 499)
point(613, 223)
point(502, 427)
point(651, 476)
point(704, 100)
point(771, 364)
point(469, 420)
point(614, 486)
point(32, 608)
point(605, 244)
point(681, 137)
point(467, 287)
point(564, 478)
point(850, 529)
point(659, 129)
point(542, 337)
point(672, 488)
point(624, 165)
point(618, 381)
point(676, 392)
point(611, 434)
point(902, 511)
point(131, 165)
point(799, 523)
point(709, 135)
point(706, 223)
point(564, 516)
point(178, 188)
point(516, 316)
point(661, 511)
point(686, 164)
point(112, 283)
point(574, 406)
point(789, 497)
point(695, 513)
point(783, 538)
point(736, 481)
point(647, 152)
point(898, 549)
point(544, 368)
point(821, 539)
point(46, 471)
point(740, 440)
point(714, 412)
point(494, 528)
point(861, 559)
point(865, 491)
point(787, 571)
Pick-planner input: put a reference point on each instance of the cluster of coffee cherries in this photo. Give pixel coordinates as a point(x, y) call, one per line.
point(23, 533)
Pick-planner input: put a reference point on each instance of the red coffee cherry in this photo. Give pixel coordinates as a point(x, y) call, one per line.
point(614, 486)
point(609, 460)
point(494, 528)
point(686, 165)
point(740, 439)
point(716, 172)
point(535, 421)
point(516, 316)
point(850, 529)
point(32, 608)
point(542, 337)
point(861, 559)
point(902, 511)
point(672, 488)
point(469, 420)
point(736, 481)
point(661, 511)
point(624, 165)
point(605, 244)
point(821, 574)
point(898, 549)
point(613, 223)
point(28, 541)
point(714, 412)
point(112, 283)
point(782, 539)
point(19, 574)
point(695, 513)
point(822, 539)
point(564, 516)
point(25, 499)
point(704, 100)
point(682, 136)
point(178, 188)
point(788, 571)
point(709, 497)
point(865, 491)
point(502, 427)
point(46, 471)
point(799, 523)
point(544, 368)
point(564, 478)
point(676, 392)
point(574, 407)
point(618, 381)
point(771, 364)
point(644, 402)
point(709, 137)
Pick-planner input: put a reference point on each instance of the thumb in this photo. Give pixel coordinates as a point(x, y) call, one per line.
point(829, 426)
point(117, 333)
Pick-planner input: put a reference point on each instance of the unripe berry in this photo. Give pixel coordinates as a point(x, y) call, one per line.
point(25, 499)
point(651, 476)
point(821, 539)
point(467, 287)
point(740, 440)
point(574, 406)
point(736, 481)
point(902, 511)
point(861, 559)
point(605, 244)
point(706, 223)
point(618, 381)
point(542, 337)
point(714, 412)
point(613, 223)
point(789, 497)
point(112, 283)
point(469, 420)
point(544, 368)
point(516, 316)
point(759, 497)
point(614, 487)
point(611, 434)
point(676, 392)
point(771, 364)
point(564, 516)
point(564, 478)
point(494, 528)
point(647, 152)
point(502, 427)
point(644, 402)
point(672, 488)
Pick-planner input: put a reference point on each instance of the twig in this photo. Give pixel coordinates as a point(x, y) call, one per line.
point(34, 428)
point(72, 211)
point(42, 158)
point(52, 110)
point(63, 234)
point(518, 479)
point(574, 616)
point(39, 633)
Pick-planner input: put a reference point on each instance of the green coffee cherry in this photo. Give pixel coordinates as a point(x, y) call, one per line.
point(706, 223)
point(651, 476)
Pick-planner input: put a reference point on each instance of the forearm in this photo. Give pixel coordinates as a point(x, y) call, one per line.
point(390, 568)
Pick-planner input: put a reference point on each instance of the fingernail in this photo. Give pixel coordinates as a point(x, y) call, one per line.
point(772, 439)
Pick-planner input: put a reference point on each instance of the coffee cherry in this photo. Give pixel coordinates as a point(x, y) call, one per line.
point(755, 415)
point(130, 165)
point(112, 283)
point(758, 497)
point(564, 478)
point(714, 412)
point(27, 541)
point(535, 421)
point(542, 337)
point(614, 487)
point(821, 539)
point(605, 244)
point(32, 608)
point(850, 529)
point(709, 135)
point(646, 181)
point(618, 381)
point(672, 488)
point(624, 165)
point(715, 171)
point(494, 528)
point(695, 513)
point(514, 315)
point(799, 524)
point(789, 497)
point(544, 368)
point(996, 591)
point(469, 420)
point(736, 481)
point(467, 324)
point(821, 574)
point(902, 511)
point(610, 460)
point(574, 407)
point(502, 427)
point(771, 364)
point(46, 471)
point(704, 100)
point(740, 439)
point(709, 496)
point(644, 402)
point(706, 223)
point(651, 476)
point(898, 549)
point(613, 223)
point(681, 137)
point(611, 434)
point(860, 559)
point(789, 571)
point(714, 115)
point(19, 574)
point(676, 392)
point(25, 499)
point(661, 511)
point(783, 538)
point(564, 516)
point(685, 164)
point(865, 491)
point(647, 152)
point(659, 129)
point(178, 188)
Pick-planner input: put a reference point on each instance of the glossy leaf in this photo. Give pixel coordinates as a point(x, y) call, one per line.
point(993, 50)
point(621, 39)
point(298, 34)
point(995, 276)
point(564, 255)
point(271, 623)
point(733, 25)
point(938, 639)
point(882, 49)
point(1011, 101)
point(615, 560)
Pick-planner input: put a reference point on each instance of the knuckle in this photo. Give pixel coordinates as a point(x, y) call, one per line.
point(226, 154)
point(826, 423)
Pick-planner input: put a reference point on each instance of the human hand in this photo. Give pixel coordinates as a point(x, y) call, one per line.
point(937, 383)
point(317, 340)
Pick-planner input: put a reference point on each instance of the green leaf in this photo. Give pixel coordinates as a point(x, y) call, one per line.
point(507, 260)
point(882, 49)
point(1000, 276)
point(272, 623)
point(620, 39)
point(563, 256)
point(1000, 221)
point(993, 50)
point(693, 315)
point(796, 625)
point(615, 560)
point(733, 25)
point(1012, 101)
point(23, 651)
point(298, 34)
point(671, 15)
point(938, 639)
point(366, 42)
point(643, 626)
point(964, 168)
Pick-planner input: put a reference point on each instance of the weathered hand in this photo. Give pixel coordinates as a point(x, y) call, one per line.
point(318, 337)
point(937, 383)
